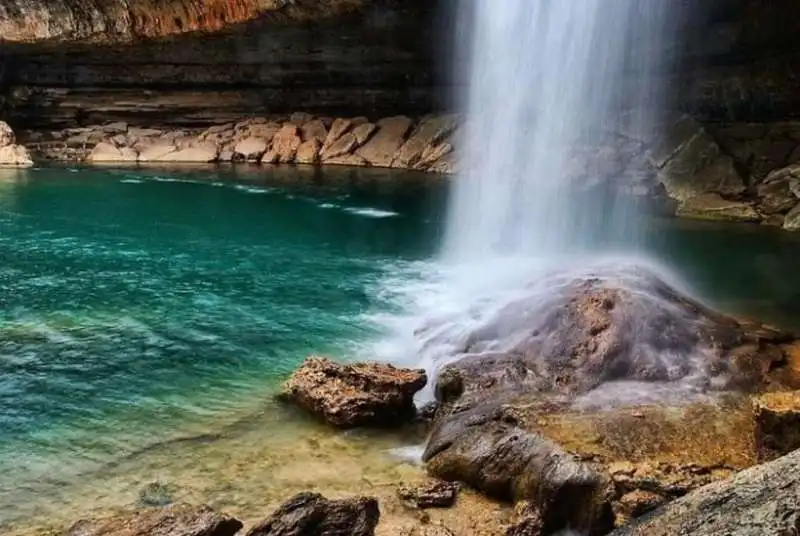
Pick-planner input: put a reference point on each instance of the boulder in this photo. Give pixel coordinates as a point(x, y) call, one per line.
point(136, 132)
point(284, 146)
point(714, 207)
point(107, 153)
point(437, 494)
point(351, 395)
point(7, 136)
point(346, 160)
point(311, 514)
point(482, 447)
point(15, 156)
point(432, 155)
point(177, 520)
point(595, 360)
point(777, 419)
point(381, 149)
point(250, 149)
point(430, 133)
point(363, 132)
point(776, 197)
point(308, 152)
point(341, 147)
point(792, 220)
point(156, 152)
point(314, 131)
point(690, 163)
point(764, 499)
point(196, 153)
point(338, 129)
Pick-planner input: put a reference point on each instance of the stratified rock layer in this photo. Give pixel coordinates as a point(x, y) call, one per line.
point(361, 394)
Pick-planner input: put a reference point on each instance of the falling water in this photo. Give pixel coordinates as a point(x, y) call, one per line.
point(547, 82)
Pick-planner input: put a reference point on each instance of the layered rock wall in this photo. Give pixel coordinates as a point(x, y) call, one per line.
point(335, 57)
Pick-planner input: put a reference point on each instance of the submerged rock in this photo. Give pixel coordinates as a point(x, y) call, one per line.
point(311, 514)
point(434, 495)
point(764, 499)
point(178, 520)
point(157, 494)
point(351, 395)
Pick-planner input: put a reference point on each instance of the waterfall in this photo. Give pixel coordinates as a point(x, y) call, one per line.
point(546, 83)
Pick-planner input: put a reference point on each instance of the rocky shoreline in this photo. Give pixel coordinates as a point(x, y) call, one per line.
point(739, 172)
point(725, 459)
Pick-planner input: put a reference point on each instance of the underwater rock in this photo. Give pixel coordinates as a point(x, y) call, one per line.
point(352, 395)
point(764, 499)
point(157, 494)
point(311, 514)
point(178, 520)
point(433, 495)
point(777, 417)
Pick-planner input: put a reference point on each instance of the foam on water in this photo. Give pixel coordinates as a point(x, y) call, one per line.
point(368, 212)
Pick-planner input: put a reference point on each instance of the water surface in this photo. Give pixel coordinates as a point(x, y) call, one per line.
point(146, 317)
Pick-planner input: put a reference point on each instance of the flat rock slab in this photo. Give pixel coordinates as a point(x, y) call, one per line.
point(353, 395)
point(439, 494)
point(178, 520)
point(311, 514)
point(764, 499)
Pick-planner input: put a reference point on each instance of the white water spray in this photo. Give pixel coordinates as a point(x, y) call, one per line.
point(545, 80)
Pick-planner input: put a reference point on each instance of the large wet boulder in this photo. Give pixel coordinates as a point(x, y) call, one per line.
point(311, 514)
point(178, 520)
point(764, 499)
point(581, 370)
point(353, 395)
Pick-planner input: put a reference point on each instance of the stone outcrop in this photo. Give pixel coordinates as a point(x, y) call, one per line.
point(178, 520)
point(760, 500)
point(777, 418)
point(259, 140)
point(11, 153)
point(352, 395)
point(311, 514)
point(602, 371)
point(199, 63)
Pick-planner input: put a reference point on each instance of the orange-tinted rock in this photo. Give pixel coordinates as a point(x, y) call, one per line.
point(338, 129)
point(430, 133)
point(381, 149)
point(284, 146)
point(341, 147)
point(314, 131)
point(308, 152)
point(352, 395)
point(777, 417)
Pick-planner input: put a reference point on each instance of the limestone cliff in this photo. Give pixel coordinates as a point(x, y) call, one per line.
point(195, 63)
point(123, 20)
